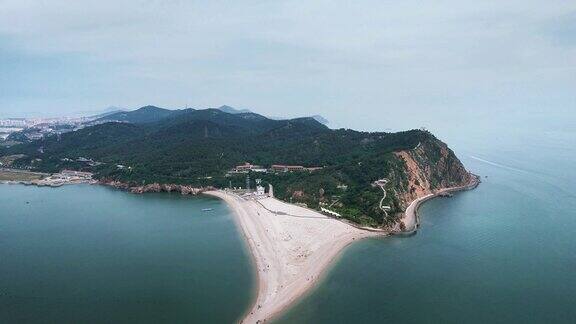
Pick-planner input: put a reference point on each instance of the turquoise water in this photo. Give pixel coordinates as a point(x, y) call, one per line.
point(84, 254)
point(505, 252)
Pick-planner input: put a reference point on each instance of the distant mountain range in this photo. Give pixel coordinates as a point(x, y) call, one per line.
point(232, 110)
point(107, 112)
point(150, 114)
point(147, 114)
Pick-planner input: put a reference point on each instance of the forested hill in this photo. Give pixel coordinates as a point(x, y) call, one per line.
point(198, 147)
point(147, 114)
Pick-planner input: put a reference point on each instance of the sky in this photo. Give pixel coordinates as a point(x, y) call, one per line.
point(373, 65)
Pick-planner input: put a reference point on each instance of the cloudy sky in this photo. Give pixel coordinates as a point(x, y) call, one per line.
point(361, 64)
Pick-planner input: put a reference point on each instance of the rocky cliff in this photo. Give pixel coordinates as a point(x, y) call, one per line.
point(427, 168)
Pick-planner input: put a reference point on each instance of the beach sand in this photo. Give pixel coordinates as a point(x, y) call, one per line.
point(291, 246)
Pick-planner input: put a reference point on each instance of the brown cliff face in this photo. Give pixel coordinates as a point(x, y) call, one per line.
point(429, 167)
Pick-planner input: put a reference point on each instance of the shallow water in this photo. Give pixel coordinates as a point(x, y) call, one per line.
point(82, 254)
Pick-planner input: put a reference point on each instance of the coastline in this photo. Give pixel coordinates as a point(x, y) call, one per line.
point(291, 247)
point(39, 179)
point(270, 259)
point(411, 217)
point(290, 253)
point(154, 187)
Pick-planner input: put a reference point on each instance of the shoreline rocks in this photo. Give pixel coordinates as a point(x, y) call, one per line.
point(155, 187)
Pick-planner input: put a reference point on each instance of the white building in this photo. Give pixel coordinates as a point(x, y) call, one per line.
point(329, 212)
point(260, 191)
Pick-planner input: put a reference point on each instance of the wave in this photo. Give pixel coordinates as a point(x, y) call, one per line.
point(558, 191)
point(502, 166)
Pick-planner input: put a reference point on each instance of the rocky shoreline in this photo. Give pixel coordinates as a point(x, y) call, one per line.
point(155, 187)
point(411, 217)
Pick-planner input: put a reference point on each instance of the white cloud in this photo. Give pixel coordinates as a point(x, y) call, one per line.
point(294, 57)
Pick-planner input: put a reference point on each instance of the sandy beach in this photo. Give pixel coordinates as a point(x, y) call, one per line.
point(291, 246)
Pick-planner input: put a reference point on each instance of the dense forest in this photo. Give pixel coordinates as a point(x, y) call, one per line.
point(199, 147)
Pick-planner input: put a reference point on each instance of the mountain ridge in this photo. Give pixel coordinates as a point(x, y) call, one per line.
point(146, 114)
point(198, 147)
point(150, 114)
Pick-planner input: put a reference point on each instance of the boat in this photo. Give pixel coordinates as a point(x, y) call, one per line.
point(207, 209)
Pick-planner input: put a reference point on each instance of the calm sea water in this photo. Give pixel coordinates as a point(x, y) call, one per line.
point(84, 254)
point(503, 253)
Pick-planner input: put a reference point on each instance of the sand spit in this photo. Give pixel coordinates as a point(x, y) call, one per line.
point(291, 246)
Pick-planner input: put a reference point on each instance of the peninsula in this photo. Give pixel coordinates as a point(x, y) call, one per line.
point(300, 191)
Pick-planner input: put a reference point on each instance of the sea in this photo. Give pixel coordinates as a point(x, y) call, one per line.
point(92, 254)
point(502, 253)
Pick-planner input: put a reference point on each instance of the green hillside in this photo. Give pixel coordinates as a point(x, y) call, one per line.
point(198, 147)
point(147, 114)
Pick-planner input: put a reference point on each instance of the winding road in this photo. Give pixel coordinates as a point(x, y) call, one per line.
point(381, 183)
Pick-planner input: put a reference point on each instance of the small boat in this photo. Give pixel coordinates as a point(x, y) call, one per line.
point(207, 209)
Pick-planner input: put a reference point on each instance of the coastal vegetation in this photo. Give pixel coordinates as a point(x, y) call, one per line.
point(198, 148)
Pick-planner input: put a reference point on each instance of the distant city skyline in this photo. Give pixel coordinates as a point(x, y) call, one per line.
point(364, 65)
